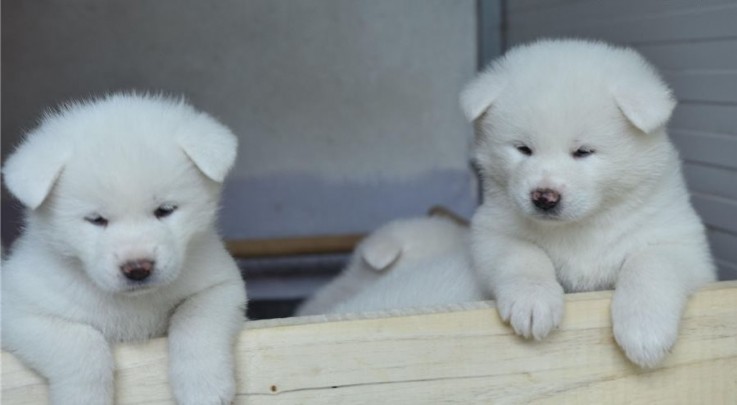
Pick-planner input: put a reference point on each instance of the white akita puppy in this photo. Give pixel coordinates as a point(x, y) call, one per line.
point(119, 245)
point(406, 263)
point(583, 191)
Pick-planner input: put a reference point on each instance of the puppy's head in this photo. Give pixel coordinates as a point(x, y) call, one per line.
point(564, 127)
point(122, 185)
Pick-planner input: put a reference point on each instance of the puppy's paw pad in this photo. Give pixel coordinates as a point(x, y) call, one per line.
point(533, 310)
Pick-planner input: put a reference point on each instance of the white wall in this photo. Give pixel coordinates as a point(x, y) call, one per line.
point(346, 109)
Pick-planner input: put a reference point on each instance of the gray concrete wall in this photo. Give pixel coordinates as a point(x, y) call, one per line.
point(346, 109)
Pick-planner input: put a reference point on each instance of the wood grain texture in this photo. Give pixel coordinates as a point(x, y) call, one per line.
point(462, 357)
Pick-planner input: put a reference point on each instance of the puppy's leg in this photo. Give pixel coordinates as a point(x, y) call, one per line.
point(75, 358)
point(522, 279)
point(201, 336)
point(650, 295)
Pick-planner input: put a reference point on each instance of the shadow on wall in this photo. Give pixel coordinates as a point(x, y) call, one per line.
point(310, 205)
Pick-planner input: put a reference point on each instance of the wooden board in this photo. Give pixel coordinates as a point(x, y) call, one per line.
point(462, 357)
point(250, 248)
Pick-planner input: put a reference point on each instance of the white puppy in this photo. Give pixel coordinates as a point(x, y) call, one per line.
point(406, 263)
point(119, 245)
point(583, 191)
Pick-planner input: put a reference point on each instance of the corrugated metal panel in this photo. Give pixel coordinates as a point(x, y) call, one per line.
point(717, 212)
point(699, 23)
point(714, 118)
point(584, 9)
point(712, 55)
point(705, 86)
point(727, 270)
point(712, 180)
point(706, 148)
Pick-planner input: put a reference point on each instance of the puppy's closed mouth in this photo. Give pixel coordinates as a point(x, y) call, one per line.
point(133, 288)
point(548, 216)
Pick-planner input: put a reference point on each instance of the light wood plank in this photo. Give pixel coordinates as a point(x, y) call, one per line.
point(458, 357)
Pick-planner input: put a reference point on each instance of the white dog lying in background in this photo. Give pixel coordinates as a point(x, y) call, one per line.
point(119, 245)
point(583, 191)
point(407, 263)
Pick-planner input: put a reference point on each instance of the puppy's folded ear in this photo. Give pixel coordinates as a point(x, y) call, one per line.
point(31, 171)
point(480, 93)
point(645, 100)
point(212, 148)
point(380, 252)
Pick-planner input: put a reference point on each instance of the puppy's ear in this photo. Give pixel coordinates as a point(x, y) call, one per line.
point(381, 252)
point(213, 150)
point(646, 101)
point(480, 93)
point(31, 171)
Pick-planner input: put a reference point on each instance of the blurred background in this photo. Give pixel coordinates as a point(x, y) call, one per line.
point(347, 110)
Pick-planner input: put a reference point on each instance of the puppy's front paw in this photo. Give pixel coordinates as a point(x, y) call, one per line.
point(198, 385)
point(645, 337)
point(533, 309)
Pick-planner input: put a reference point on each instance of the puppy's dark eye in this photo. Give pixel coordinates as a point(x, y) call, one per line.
point(164, 211)
point(96, 220)
point(525, 150)
point(582, 152)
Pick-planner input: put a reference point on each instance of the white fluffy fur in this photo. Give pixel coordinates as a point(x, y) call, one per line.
point(624, 218)
point(65, 298)
point(407, 263)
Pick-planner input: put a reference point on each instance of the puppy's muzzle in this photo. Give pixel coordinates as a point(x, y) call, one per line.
point(545, 199)
point(137, 270)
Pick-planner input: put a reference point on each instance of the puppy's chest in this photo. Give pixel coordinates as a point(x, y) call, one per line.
point(131, 320)
point(583, 264)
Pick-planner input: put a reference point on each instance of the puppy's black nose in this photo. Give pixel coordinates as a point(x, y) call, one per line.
point(545, 199)
point(137, 270)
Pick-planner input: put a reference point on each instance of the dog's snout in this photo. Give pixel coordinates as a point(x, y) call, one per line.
point(545, 199)
point(137, 270)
